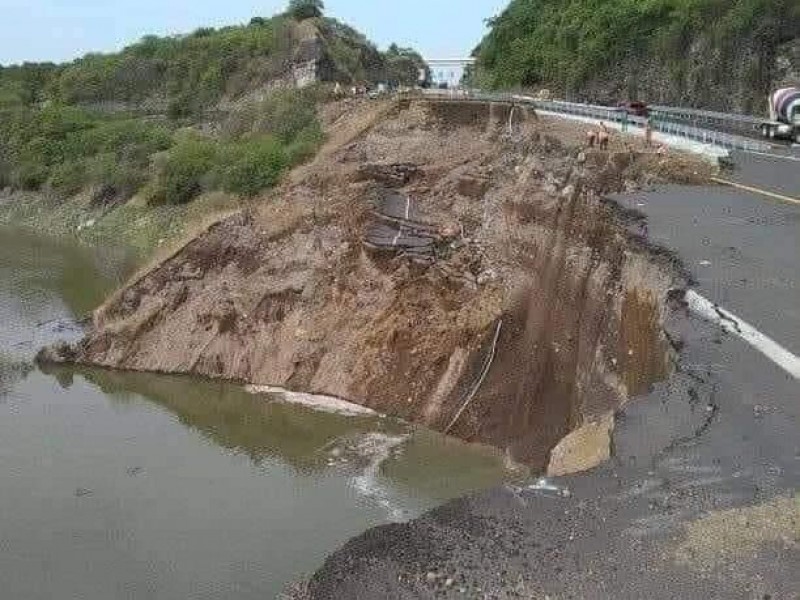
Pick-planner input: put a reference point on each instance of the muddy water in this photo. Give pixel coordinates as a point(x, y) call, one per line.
point(120, 485)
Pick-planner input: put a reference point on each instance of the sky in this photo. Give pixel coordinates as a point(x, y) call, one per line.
point(60, 30)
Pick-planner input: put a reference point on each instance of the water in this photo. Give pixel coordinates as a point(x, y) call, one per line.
point(117, 485)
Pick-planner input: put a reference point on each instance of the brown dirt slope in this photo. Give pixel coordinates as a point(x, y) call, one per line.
point(286, 294)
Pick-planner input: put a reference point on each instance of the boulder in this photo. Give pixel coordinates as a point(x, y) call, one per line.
point(56, 354)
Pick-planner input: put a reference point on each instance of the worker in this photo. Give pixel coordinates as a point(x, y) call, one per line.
point(449, 231)
point(648, 132)
point(602, 136)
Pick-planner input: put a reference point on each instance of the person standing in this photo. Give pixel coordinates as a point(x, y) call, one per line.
point(603, 136)
point(648, 132)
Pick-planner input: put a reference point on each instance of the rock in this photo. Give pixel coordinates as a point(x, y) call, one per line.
point(449, 582)
point(392, 175)
point(471, 186)
point(430, 577)
point(583, 449)
point(56, 354)
point(310, 289)
point(630, 186)
point(449, 231)
point(487, 276)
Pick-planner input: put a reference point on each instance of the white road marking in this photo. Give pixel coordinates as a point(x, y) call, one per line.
point(767, 154)
point(408, 206)
point(759, 191)
point(733, 324)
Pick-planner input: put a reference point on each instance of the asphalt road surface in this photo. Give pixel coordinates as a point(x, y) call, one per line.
point(777, 171)
point(701, 497)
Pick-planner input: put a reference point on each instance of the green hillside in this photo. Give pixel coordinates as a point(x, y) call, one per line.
point(162, 118)
point(715, 53)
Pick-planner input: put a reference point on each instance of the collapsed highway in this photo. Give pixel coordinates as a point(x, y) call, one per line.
point(566, 271)
point(699, 497)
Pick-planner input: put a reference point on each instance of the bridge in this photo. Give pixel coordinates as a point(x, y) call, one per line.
point(448, 70)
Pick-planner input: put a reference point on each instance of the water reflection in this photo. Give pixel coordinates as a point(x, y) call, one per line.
point(230, 417)
point(165, 487)
point(417, 461)
point(41, 269)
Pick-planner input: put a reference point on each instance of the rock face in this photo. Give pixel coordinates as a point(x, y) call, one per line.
point(712, 54)
point(288, 294)
point(736, 80)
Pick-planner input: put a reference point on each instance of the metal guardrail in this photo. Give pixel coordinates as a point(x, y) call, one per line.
point(692, 132)
point(692, 114)
point(747, 125)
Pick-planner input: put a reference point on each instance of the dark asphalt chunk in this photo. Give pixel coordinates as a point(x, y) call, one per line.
point(382, 235)
point(396, 226)
point(398, 206)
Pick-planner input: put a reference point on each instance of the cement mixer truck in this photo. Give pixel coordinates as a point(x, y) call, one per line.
point(784, 115)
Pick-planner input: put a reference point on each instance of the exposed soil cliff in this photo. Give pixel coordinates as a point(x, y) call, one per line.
point(507, 268)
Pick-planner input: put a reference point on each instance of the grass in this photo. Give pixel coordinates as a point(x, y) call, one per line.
point(142, 228)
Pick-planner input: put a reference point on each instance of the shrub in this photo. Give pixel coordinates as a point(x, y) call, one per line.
point(252, 166)
point(283, 114)
point(29, 176)
point(186, 170)
point(305, 144)
point(68, 178)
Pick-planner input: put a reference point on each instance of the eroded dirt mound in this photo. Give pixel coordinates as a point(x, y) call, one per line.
point(521, 243)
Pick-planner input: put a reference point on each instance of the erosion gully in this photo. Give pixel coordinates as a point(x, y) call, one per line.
point(150, 486)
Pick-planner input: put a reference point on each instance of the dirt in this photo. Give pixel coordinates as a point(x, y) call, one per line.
point(286, 294)
point(731, 537)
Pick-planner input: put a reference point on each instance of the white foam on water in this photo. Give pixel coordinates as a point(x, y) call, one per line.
point(378, 448)
point(317, 402)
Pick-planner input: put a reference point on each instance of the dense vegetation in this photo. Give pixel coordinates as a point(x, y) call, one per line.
point(136, 122)
point(306, 9)
point(65, 149)
point(403, 66)
point(565, 44)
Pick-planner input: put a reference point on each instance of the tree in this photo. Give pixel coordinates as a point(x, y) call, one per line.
point(306, 9)
point(403, 66)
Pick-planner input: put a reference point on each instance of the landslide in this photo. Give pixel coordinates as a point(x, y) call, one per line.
point(530, 272)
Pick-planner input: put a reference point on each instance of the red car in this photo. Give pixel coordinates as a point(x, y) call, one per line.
point(635, 108)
